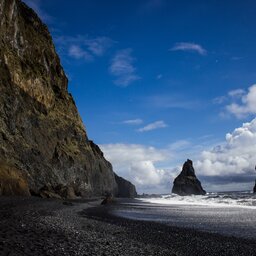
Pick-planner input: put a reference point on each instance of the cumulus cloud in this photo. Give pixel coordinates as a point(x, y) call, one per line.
point(153, 126)
point(235, 159)
point(191, 47)
point(245, 102)
point(229, 165)
point(137, 163)
point(133, 121)
point(122, 67)
point(151, 169)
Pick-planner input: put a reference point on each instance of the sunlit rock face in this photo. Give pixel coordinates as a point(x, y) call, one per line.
point(42, 138)
point(186, 183)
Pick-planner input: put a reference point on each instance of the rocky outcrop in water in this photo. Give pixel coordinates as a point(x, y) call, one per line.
point(254, 189)
point(186, 182)
point(43, 142)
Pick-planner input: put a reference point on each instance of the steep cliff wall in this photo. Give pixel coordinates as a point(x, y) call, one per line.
point(125, 188)
point(42, 138)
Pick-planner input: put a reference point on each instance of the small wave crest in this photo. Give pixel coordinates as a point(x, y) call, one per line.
point(223, 199)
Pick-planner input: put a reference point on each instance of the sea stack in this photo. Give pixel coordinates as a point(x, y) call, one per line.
point(44, 147)
point(254, 189)
point(186, 183)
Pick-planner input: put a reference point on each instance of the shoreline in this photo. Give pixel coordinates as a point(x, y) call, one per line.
point(226, 220)
point(34, 226)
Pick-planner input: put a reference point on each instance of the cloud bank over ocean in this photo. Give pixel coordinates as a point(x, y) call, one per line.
point(228, 165)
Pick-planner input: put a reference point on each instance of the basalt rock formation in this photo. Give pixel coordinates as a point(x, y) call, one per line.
point(125, 187)
point(186, 183)
point(43, 142)
point(254, 189)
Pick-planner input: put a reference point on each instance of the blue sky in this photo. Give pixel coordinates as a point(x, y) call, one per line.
point(159, 81)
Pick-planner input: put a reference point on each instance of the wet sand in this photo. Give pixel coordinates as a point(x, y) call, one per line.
point(33, 226)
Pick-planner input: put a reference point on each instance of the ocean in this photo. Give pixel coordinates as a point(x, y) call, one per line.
point(227, 213)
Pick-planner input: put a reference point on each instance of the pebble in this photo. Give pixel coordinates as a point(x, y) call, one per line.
point(34, 226)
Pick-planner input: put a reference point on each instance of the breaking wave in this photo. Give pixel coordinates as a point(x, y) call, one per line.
point(219, 199)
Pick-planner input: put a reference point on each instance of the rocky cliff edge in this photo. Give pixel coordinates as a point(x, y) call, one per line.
point(43, 141)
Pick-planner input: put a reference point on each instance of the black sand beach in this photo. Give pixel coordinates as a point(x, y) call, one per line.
point(33, 226)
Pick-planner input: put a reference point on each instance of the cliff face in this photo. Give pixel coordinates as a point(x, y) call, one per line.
point(125, 188)
point(42, 138)
point(186, 182)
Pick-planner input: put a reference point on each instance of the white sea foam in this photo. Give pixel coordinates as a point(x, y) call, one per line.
point(229, 199)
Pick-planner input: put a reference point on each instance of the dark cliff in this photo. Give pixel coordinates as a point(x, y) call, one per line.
point(42, 138)
point(186, 182)
point(125, 188)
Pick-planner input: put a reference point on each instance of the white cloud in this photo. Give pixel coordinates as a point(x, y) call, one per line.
point(247, 104)
point(151, 169)
point(83, 47)
point(186, 46)
point(77, 52)
point(179, 145)
point(237, 93)
point(235, 157)
point(123, 69)
point(122, 153)
point(160, 76)
point(133, 121)
point(98, 45)
point(145, 173)
point(137, 163)
point(153, 126)
point(226, 166)
point(219, 100)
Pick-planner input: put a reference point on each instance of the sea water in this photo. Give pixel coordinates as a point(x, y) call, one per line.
point(245, 199)
point(227, 213)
